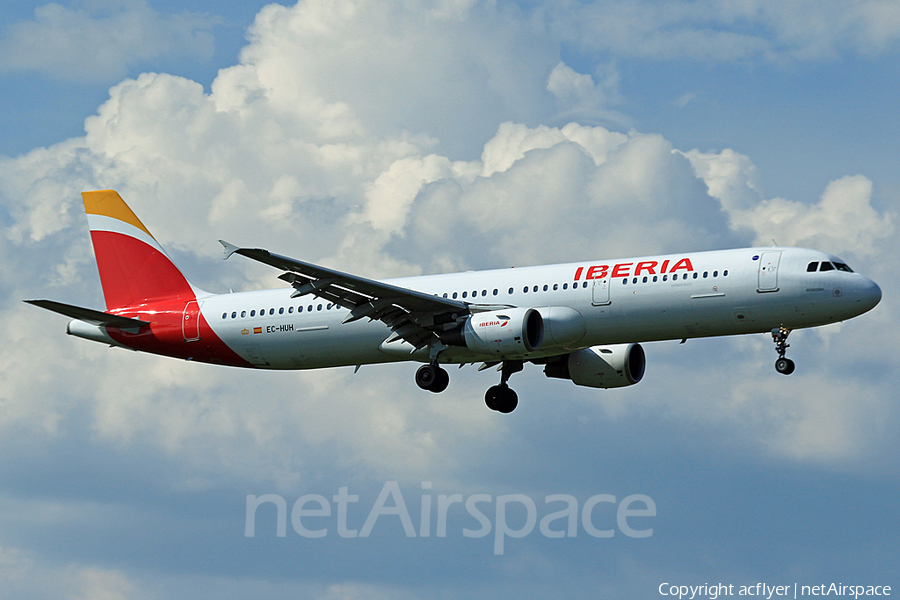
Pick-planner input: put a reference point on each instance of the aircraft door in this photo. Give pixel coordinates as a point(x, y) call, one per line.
point(768, 271)
point(601, 292)
point(190, 324)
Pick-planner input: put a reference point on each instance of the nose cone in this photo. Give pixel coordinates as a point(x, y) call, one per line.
point(869, 295)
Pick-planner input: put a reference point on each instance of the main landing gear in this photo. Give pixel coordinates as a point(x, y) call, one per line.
point(432, 378)
point(500, 397)
point(783, 365)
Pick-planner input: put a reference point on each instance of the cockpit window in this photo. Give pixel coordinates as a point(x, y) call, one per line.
point(812, 267)
point(843, 267)
point(826, 266)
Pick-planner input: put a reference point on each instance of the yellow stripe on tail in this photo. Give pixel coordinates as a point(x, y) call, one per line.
point(108, 203)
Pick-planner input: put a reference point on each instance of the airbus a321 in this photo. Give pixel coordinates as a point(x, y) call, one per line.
point(581, 321)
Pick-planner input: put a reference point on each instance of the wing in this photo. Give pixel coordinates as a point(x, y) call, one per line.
point(88, 315)
point(416, 317)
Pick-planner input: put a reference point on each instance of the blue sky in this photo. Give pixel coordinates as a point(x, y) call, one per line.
point(388, 140)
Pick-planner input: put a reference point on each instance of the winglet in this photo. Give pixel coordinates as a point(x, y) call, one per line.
point(229, 249)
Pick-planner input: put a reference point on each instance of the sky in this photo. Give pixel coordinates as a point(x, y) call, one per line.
point(391, 139)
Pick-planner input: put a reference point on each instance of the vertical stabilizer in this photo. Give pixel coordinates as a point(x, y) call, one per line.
point(134, 269)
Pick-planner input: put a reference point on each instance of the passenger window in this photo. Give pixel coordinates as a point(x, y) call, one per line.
point(465, 294)
point(555, 286)
point(525, 289)
point(715, 273)
point(634, 280)
point(725, 273)
point(625, 281)
point(224, 315)
point(319, 307)
point(510, 290)
point(445, 295)
point(812, 267)
point(454, 295)
point(252, 313)
point(826, 266)
point(546, 287)
point(696, 275)
point(290, 310)
point(565, 286)
point(535, 288)
point(584, 285)
point(496, 291)
point(645, 279)
point(484, 292)
point(654, 279)
point(234, 315)
point(243, 314)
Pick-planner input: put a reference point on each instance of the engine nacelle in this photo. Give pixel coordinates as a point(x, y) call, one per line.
point(507, 332)
point(613, 366)
point(563, 326)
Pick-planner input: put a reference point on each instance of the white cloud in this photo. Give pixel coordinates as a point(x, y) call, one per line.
point(843, 221)
point(25, 574)
point(409, 66)
point(100, 41)
point(100, 584)
point(720, 30)
point(580, 98)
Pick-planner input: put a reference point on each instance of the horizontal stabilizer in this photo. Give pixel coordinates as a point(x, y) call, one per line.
point(88, 315)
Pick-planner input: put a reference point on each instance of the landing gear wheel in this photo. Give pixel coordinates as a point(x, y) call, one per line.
point(501, 399)
point(441, 381)
point(432, 378)
point(785, 366)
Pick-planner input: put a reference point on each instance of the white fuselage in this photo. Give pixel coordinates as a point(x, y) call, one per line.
point(679, 296)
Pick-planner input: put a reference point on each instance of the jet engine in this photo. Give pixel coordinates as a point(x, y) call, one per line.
point(613, 366)
point(507, 332)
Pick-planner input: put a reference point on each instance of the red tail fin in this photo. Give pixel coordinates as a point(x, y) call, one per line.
point(134, 269)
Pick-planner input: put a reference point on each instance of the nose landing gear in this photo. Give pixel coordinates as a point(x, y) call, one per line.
point(783, 365)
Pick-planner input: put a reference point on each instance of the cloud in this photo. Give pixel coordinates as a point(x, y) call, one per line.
point(100, 41)
point(843, 221)
point(723, 31)
point(25, 575)
point(413, 66)
point(580, 98)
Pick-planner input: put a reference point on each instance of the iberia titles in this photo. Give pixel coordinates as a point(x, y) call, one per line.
point(629, 269)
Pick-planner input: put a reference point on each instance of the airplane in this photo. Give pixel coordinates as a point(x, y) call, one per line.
point(582, 321)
